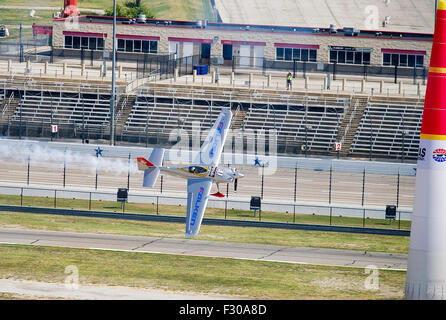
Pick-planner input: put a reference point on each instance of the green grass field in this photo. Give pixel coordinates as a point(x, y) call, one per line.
point(162, 9)
point(240, 278)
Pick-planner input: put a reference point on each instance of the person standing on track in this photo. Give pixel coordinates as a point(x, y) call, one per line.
point(289, 77)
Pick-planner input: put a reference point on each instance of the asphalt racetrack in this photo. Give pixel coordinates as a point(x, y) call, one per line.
point(314, 256)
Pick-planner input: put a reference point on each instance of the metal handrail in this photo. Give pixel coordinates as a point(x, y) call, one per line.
point(7, 104)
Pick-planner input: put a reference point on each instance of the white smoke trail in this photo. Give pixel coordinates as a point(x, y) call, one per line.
point(46, 156)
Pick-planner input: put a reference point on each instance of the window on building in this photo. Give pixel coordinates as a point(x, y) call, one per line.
point(121, 45)
point(76, 42)
point(145, 46)
point(350, 55)
point(290, 54)
point(153, 45)
point(280, 54)
point(420, 61)
point(100, 43)
point(128, 45)
point(136, 45)
point(91, 43)
point(403, 60)
point(84, 42)
point(366, 56)
point(68, 42)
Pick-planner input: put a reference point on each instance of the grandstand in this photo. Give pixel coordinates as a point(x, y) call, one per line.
point(298, 119)
point(364, 123)
point(389, 128)
point(305, 122)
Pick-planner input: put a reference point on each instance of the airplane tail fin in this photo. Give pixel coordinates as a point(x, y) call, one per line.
point(151, 167)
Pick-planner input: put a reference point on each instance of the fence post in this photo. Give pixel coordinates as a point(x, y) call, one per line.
point(363, 218)
point(331, 214)
point(329, 190)
point(363, 187)
point(334, 70)
point(295, 182)
point(414, 75)
point(89, 203)
point(21, 197)
point(175, 75)
point(55, 197)
point(294, 68)
point(157, 205)
point(27, 176)
point(398, 190)
point(96, 179)
point(399, 219)
point(261, 193)
point(64, 167)
point(363, 84)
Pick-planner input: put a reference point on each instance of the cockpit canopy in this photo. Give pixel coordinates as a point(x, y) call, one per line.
point(196, 169)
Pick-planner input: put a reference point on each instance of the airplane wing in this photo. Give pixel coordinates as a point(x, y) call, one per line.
point(212, 147)
point(197, 198)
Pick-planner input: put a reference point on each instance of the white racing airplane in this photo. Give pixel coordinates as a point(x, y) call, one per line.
point(200, 175)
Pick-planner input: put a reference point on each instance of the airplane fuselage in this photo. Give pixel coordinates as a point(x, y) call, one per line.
point(217, 174)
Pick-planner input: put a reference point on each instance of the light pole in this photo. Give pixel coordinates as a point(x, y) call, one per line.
point(306, 138)
point(51, 117)
point(83, 119)
point(112, 97)
point(20, 110)
point(403, 136)
point(371, 136)
point(337, 120)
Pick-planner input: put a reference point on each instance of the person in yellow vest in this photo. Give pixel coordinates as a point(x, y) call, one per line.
point(289, 77)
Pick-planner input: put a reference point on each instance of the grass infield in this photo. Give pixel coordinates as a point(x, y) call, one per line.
point(220, 276)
